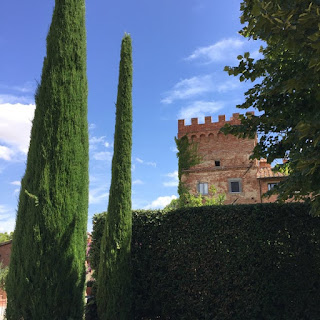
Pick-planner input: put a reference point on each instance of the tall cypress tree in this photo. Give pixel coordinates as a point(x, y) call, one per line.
point(114, 277)
point(47, 269)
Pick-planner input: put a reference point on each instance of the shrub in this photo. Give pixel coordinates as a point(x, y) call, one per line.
point(226, 262)
point(3, 275)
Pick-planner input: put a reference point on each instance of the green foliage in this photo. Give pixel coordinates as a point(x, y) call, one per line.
point(32, 196)
point(187, 157)
point(288, 94)
point(98, 222)
point(3, 275)
point(173, 205)
point(197, 200)
point(226, 262)
point(47, 269)
point(187, 154)
point(114, 277)
point(90, 283)
point(91, 309)
point(283, 168)
point(6, 236)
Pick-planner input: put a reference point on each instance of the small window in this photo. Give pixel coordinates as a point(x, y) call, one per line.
point(272, 185)
point(217, 163)
point(235, 186)
point(203, 188)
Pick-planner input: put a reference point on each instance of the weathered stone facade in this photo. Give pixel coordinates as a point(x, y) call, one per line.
point(225, 163)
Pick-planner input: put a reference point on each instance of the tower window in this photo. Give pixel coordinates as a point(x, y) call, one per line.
point(235, 186)
point(272, 185)
point(217, 163)
point(203, 188)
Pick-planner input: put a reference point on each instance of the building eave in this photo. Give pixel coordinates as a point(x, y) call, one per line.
point(5, 242)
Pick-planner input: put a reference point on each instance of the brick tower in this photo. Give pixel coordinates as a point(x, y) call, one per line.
point(225, 163)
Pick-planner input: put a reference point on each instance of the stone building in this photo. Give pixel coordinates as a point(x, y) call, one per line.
point(5, 252)
point(225, 163)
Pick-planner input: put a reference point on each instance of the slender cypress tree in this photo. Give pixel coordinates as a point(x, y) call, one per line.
point(47, 269)
point(114, 277)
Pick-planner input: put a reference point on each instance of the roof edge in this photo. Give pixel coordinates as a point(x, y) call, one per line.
point(5, 242)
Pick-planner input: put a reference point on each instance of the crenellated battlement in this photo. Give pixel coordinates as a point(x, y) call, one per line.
point(208, 125)
point(225, 162)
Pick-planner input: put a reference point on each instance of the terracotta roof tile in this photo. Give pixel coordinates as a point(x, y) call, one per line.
point(268, 173)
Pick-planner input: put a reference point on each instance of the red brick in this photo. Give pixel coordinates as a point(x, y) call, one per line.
point(233, 154)
point(5, 252)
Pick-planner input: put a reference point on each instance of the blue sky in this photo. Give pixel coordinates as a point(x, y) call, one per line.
point(179, 51)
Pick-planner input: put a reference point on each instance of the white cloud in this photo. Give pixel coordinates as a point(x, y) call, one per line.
point(98, 195)
point(160, 202)
point(189, 88)
point(11, 99)
point(137, 182)
point(96, 142)
point(173, 174)
point(228, 85)
point(199, 109)
point(6, 153)
point(92, 178)
point(7, 219)
point(201, 86)
point(103, 156)
point(171, 183)
point(174, 181)
point(15, 127)
point(223, 50)
point(3, 209)
point(92, 126)
point(152, 164)
point(148, 163)
point(28, 86)
point(16, 183)
point(8, 224)
point(174, 149)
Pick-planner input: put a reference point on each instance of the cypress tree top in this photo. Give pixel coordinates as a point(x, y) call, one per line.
point(46, 277)
point(114, 278)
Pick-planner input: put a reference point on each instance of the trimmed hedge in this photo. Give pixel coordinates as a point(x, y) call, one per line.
point(225, 262)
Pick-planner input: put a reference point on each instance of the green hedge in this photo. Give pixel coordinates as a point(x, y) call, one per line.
point(225, 262)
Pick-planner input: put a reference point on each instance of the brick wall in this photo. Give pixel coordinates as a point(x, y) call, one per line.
point(5, 252)
point(264, 188)
point(225, 158)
